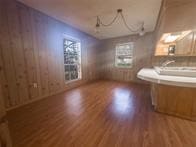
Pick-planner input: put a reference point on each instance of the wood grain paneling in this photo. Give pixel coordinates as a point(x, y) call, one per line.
point(175, 16)
point(2, 106)
point(5, 140)
point(142, 53)
point(178, 101)
point(31, 55)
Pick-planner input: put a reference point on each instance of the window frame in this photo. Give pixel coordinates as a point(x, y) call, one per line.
point(132, 50)
point(71, 38)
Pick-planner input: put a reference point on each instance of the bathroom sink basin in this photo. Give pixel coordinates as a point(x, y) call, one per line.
point(176, 71)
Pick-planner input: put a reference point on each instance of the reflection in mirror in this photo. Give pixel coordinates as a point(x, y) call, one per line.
point(177, 44)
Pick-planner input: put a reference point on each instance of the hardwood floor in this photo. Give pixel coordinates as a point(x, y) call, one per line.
point(104, 114)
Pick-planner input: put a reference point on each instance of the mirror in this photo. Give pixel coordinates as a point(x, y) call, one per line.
point(177, 44)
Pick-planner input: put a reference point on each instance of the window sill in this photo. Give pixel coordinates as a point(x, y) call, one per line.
point(130, 67)
point(72, 81)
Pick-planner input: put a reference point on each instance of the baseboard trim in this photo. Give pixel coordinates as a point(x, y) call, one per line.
point(34, 100)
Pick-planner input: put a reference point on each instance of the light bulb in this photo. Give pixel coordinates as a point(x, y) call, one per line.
point(142, 32)
point(97, 28)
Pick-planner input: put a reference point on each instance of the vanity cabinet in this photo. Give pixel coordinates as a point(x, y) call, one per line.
point(172, 95)
point(194, 45)
point(194, 51)
point(185, 45)
point(174, 100)
point(176, 16)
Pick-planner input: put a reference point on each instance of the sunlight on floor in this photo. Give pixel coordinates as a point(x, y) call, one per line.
point(122, 101)
point(74, 103)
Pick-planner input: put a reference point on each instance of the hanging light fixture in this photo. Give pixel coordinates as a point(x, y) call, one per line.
point(99, 23)
point(97, 27)
point(142, 31)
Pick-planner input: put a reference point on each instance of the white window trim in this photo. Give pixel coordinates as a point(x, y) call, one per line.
point(127, 43)
point(65, 36)
point(71, 38)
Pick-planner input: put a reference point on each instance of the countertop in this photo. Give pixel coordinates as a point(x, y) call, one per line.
point(149, 74)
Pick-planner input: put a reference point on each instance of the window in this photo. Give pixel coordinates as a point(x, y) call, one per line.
point(72, 59)
point(124, 55)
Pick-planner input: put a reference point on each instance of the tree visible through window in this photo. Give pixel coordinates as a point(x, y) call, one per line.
point(124, 55)
point(72, 59)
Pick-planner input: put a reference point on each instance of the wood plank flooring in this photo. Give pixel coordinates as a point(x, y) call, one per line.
point(101, 114)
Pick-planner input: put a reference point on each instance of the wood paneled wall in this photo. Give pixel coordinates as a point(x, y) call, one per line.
point(31, 54)
point(142, 54)
point(175, 16)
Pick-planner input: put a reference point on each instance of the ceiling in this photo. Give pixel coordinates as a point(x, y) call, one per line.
point(82, 14)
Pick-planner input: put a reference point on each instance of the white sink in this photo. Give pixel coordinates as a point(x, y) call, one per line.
point(176, 71)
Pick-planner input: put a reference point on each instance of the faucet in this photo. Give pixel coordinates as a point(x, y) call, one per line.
point(164, 64)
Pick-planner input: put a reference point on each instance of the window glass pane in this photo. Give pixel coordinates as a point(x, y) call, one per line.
point(66, 59)
point(124, 62)
point(74, 72)
point(67, 76)
point(74, 75)
point(124, 53)
point(72, 59)
point(67, 67)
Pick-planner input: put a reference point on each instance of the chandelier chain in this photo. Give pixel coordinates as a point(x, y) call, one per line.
point(127, 26)
point(124, 21)
point(109, 24)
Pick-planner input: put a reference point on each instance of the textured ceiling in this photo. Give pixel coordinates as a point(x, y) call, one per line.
point(82, 14)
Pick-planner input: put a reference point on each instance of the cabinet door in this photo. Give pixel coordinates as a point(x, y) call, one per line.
point(194, 45)
point(5, 140)
point(184, 46)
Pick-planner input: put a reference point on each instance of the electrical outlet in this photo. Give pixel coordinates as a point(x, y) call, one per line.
point(35, 85)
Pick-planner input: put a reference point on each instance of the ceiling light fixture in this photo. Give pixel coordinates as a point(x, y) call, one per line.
point(99, 23)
